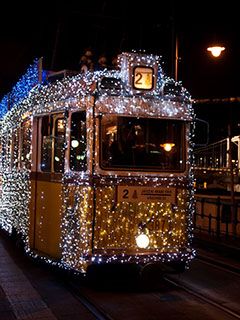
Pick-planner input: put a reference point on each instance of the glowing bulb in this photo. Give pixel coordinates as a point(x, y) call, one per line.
point(28, 156)
point(74, 143)
point(216, 51)
point(142, 241)
point(167, 146)
point(79, 157)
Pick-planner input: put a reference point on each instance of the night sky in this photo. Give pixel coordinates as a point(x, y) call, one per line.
point(61, 31)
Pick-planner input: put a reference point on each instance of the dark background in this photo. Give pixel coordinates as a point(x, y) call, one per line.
point(61, 31)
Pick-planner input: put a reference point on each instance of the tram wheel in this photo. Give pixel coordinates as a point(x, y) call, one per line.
point(151, 276)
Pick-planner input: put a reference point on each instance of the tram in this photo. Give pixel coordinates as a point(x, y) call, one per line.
point(96, 168)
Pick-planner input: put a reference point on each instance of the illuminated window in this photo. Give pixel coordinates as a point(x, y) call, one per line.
point(142, 144)
point(59, 142)
point(53, 143)
point(46, 147)
point(25, 154)
point(78, 141)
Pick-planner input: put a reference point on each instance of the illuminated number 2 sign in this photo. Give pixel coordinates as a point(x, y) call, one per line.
point(143, 78)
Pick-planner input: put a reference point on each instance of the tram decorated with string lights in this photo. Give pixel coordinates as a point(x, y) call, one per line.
point(96, 168)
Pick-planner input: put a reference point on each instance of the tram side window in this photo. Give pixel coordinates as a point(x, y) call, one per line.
point(59, 141)
point(46, 147)
point(53, 140)
point(26, 145)
point(78, 141)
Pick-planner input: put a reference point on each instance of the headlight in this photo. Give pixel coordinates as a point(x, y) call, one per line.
point(142, 241)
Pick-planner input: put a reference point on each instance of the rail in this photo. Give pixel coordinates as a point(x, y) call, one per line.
point(214, 216)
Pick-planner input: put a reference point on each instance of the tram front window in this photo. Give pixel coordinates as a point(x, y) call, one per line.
point(142, 143)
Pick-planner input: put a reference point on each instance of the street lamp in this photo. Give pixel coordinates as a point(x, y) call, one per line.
point(216, 51)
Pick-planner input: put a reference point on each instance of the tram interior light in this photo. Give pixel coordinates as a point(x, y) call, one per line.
point(167, 146)
point(216, 50)
point(142, 241)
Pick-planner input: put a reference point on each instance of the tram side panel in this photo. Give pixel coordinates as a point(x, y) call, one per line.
point(46, 182)
point(47, 217)
point(16, 162)
point(77, 222)
point(77, 193)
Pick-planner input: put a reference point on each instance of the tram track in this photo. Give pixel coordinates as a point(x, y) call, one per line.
point(101, 314)
point(183, 287)
point(200, 296)
point(219, 264)
point(94, 309)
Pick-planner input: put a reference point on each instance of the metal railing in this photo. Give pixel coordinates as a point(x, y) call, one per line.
point(216, 155)
point(217, 216)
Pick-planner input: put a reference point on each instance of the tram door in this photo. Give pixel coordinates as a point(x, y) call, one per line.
point(46, 217)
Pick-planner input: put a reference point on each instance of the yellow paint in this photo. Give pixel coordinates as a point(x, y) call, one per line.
point(45, 218)
point(32, 214)
point(116, 225)
point(78, 217)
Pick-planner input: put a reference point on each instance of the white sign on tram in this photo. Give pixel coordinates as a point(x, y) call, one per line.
point(146, 194)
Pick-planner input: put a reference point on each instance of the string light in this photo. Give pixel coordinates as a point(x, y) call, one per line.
point(169, 227)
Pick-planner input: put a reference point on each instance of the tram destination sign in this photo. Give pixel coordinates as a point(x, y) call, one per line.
point(143, 78)
point(146, 194)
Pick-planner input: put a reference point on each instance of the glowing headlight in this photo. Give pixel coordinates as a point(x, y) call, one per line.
point(142, 241)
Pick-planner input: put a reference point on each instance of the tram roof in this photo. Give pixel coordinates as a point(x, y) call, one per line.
point(38, 86)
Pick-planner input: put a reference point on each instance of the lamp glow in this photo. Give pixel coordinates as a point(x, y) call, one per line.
point(142, 241)
point(216, 50)
point(167, 146)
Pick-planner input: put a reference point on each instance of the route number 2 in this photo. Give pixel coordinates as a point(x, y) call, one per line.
point(143, 78)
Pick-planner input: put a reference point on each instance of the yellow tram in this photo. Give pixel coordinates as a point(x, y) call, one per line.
point(96, 167)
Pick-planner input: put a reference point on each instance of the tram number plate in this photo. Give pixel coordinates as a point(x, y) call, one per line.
point(146, 194)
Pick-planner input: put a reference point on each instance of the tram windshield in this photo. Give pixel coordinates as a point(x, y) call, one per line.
point(142, 143)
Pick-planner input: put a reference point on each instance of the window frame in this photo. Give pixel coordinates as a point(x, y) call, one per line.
point(144, 169)
point(53, 118)
point(85, 165)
